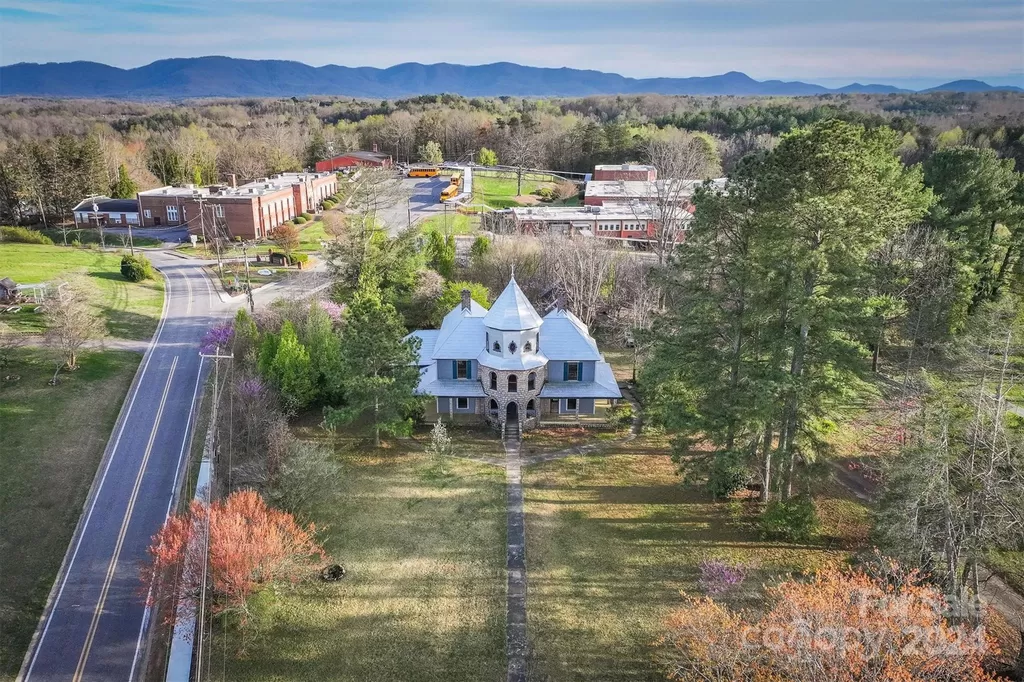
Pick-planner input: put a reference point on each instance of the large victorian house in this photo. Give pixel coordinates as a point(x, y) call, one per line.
point(511, 367)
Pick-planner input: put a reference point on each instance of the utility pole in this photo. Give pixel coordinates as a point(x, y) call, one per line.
point(216, 234)
point(408, 210)
point(248, 282)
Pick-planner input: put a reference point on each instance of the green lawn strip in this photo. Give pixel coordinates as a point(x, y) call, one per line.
point(47, 474)
point(500, 191)
point(611, 542)
point(232, 277)
point(424, 597)
point(454, 223)
point(91, 236)
point(131, 309)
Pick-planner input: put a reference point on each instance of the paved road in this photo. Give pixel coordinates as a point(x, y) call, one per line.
point(92, 628)
point(420, 198)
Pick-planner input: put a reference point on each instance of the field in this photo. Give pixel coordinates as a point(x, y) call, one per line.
point(455, 223)
point(611, 542)
point(500, 191)
point(47, 476)
point(131, 310)
point(424, 597)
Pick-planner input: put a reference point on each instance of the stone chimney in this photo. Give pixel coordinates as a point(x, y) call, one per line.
point(466, 298)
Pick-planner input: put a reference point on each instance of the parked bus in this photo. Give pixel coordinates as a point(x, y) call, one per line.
point(423, 172)
point(452, 189)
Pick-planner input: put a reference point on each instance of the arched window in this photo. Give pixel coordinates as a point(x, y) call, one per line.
point(530, 407)
point(513, 386)
point(531, 381)
point(497, 347)
point(527, 347)
point(494, 385)
point(494, 404)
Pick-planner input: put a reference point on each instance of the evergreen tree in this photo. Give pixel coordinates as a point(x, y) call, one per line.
point(124, 187)
point(440, 254)
point(981, 208)
point(292, 370)
point(324, 347)
point(379, 372)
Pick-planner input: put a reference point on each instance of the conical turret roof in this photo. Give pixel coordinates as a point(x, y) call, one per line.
point(512, 311)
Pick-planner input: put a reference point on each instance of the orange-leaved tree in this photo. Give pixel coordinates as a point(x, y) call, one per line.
point(250, 545)
point(840, 626)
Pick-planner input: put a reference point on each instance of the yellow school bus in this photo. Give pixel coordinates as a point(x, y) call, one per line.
point(449, 192)
point(423, 172)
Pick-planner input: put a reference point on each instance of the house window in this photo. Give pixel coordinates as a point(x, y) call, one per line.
point(572, 371)
point(527, 347)
point(494, 405)
point(148, 213)
point(513, 384)
point(494, 381)
point(570, 403)
point(218, 211)
point(462, 403)
point(531, 381)
point(461, 369)
point(172, 214)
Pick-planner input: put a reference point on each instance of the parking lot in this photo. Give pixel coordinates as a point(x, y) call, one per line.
point(419, 198)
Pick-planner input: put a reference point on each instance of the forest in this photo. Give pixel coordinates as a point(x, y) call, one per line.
point(54, 152)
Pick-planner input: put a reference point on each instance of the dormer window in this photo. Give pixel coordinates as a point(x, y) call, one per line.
point(527, 347)
point(512, 347)
point(497, 347)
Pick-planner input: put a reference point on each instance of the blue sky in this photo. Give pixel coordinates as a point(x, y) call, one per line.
point(912, 43)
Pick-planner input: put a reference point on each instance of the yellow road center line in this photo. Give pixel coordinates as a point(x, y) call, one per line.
point(79, 671)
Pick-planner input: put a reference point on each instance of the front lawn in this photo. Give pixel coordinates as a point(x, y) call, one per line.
point(611, 542)
point(131, 310)
point(499, 191)
point(424, 598)
point(47, 474)
point(454, 223)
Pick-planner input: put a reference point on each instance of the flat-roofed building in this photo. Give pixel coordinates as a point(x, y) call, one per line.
point(249, 211)
point(625, 171)
point(601, 192)
point(102, 210)
point(355, 159)
point(618, 222)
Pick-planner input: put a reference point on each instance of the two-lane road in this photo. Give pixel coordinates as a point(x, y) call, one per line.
point(92, 628)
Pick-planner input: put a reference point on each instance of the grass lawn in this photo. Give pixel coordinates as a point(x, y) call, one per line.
point(500, 191)
point(47, 476)
point(611, 541)
point(234, 273)
point(457, 224)
point(131, 310)
point(424, 598)
point(311, 236)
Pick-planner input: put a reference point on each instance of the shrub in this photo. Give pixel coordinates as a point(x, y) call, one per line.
point(726, 475)
point(621, 414)
point(298, 220)
point(545, 194)
point(716, 576)
point(136, 268)
point(299, 258)
point(23, 235)
point(307, 216)
point(481, 245)
point(565, 189)
point(328, 204)
point(794, 519)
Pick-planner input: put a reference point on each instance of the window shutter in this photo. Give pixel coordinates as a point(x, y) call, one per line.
point(455, 369)
point(469, 369)
point(565, 371)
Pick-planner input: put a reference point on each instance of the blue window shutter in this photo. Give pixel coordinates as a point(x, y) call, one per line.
point(469, 369)
point(565, 371)
point(455, 369)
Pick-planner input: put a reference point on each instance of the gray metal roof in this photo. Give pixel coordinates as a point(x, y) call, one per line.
point(427, 337)
point(518, 361)
point(462, 333)
point(512, 311)
point(564, 337)
point(603, 386)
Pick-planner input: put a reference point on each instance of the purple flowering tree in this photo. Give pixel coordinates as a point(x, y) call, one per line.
point(717, 576)
point(217, 338)
point(332, 309)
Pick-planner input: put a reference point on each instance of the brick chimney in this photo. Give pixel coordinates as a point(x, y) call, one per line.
point(234, 181)
point(374, 147)
point(466, 298)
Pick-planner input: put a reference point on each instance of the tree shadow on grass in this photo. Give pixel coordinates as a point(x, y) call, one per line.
point(124, 324)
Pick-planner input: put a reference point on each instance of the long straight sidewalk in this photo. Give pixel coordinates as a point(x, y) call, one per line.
point(516, 642)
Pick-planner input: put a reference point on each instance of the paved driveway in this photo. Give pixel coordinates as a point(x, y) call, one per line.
point(419, 198)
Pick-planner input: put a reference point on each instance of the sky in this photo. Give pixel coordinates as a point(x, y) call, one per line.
point(909, 43)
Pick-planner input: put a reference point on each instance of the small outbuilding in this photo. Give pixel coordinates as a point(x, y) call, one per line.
point(8, 289)
point(100, 210)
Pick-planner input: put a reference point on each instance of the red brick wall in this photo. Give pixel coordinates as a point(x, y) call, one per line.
point(642, 175)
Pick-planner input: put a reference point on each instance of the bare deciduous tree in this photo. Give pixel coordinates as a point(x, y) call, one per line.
point(70, 323)
point(521, 150)
point(580, 268)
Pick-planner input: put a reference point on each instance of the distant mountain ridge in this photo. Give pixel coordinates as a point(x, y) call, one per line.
point(230, 77)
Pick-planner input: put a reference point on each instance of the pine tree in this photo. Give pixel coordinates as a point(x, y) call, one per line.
point(124, 187)
point(324, 347)
point(379, 372)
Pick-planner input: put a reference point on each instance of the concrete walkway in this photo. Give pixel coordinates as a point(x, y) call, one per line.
point(516, 642)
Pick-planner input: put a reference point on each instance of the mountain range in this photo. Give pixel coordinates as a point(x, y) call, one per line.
point(230, 77)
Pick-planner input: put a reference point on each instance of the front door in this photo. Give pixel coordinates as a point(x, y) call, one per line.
point(512, 412)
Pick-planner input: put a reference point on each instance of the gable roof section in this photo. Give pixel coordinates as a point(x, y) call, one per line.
point(107, 205)
point(512, 311)
point(565, 337)
point(428, 338)
point(461, 335)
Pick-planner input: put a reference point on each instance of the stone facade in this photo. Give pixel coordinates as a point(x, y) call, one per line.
point(502, 396)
